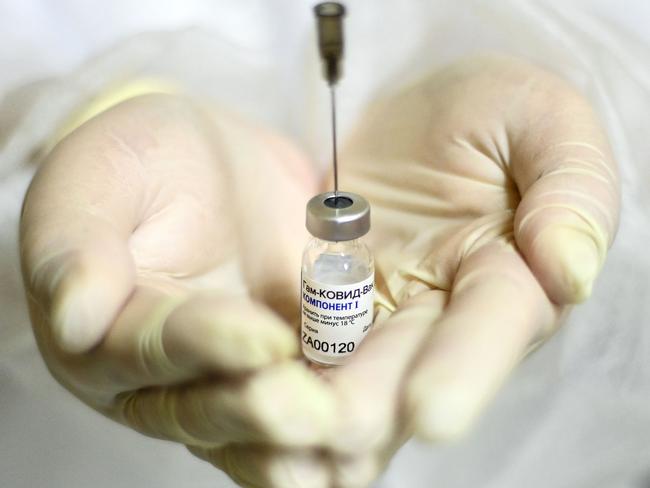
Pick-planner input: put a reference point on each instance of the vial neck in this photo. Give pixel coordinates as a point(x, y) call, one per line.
point(334, 246)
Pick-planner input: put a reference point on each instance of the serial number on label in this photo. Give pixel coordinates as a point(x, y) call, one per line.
point(328, 347)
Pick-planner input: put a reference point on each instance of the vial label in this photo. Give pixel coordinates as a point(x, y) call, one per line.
point(335, 318)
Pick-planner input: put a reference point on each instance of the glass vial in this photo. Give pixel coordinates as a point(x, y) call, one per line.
point(337, 278)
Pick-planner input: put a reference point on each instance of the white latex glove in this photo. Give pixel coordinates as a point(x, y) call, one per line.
point(158, 268)
point(494, 200)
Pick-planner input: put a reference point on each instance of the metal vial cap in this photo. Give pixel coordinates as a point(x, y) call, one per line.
point(341, 218)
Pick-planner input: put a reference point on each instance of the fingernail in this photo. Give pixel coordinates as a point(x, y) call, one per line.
point(284, 340)
point(573, 259)
point(356, 472)
point(293, 404)
point(444, 414)
point(78, 317)
point(300, 471)
point(272, 340)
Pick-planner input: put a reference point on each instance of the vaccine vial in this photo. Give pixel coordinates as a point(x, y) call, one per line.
point(337, 278)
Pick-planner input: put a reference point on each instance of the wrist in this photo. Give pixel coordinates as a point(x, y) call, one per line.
point(109, 97)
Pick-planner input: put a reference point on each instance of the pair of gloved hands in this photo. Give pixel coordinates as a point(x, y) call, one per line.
point(161, 242)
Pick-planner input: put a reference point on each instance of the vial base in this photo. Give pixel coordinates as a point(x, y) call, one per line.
point(327, 362)
point(319, 363)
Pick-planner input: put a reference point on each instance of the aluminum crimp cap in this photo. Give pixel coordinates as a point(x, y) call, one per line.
point(341, 218)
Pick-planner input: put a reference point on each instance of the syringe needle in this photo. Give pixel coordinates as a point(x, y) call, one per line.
point(329, 16)
point(334, 149)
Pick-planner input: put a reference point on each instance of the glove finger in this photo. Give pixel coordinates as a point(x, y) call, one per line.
point(254, 466)
point(360, 469)
point(164, 335)
point(284, 404)
point(569, 185)
point(368, 386)
point(496, 309)
point(355, 472)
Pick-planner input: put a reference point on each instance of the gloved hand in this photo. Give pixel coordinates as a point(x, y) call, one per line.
point(494, 200)
point(160, 247)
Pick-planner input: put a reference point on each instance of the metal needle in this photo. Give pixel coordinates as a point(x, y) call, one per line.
point(329, 16)
point(334, 150)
